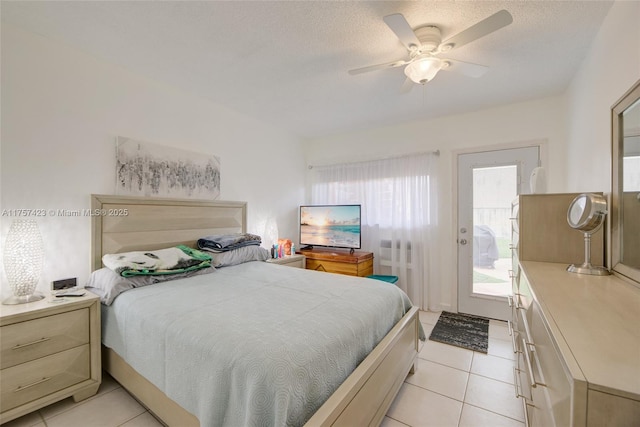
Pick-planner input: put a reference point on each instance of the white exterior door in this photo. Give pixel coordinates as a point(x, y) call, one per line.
point(488, 182)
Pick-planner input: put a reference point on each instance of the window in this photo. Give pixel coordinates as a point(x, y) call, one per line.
point(399, 206)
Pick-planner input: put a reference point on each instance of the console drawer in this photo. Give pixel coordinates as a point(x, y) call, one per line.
point(364, 268)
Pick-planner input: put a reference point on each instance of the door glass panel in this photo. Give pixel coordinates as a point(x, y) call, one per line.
point(494, 188)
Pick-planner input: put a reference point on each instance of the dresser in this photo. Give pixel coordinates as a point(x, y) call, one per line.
point(358, 263)
point(578, 347)
point(576, 337)
point(49, 350)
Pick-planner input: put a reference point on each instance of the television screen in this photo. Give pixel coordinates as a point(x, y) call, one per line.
point(336, 226)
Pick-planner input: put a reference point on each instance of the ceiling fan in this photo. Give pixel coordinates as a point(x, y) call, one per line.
point(425, 45)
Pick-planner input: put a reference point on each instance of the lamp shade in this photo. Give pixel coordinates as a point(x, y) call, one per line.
point(23, 255)
point(423, 69)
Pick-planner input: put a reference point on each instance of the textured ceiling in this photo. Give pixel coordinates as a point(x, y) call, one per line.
point(286, 62)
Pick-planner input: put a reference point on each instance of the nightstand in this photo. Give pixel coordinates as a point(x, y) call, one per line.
point(297, 260)
point(50, 350)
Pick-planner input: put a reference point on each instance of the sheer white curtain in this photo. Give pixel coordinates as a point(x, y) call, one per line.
point(399, 215)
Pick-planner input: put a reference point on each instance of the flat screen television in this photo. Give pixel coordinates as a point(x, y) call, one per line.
point(335, 226)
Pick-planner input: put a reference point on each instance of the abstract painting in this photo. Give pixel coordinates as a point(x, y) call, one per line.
point(152, 170)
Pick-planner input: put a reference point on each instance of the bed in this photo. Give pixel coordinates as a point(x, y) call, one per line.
point(360, 393)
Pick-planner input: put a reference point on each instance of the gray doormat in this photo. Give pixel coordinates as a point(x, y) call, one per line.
point(462, 330)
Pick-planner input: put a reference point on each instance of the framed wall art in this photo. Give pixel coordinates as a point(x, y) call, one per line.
point(152, 170)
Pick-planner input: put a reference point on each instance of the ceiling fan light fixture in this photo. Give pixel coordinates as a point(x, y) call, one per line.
point(423, 70)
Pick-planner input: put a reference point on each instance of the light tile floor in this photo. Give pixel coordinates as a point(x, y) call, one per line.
point(452, 387)
point(457, 387)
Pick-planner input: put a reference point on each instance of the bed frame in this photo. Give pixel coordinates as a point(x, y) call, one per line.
point(122, 224)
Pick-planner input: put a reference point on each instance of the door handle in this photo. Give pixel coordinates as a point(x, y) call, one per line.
point(463, 241)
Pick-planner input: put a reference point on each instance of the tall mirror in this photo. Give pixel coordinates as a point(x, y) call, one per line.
point(625, 191)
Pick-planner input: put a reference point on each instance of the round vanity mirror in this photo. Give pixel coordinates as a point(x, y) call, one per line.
point(586, 213)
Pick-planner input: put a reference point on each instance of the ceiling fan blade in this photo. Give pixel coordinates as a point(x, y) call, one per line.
point(466, 68)
point(486, 26)
point(403, 30)
point(407, 85)
point(378, 67)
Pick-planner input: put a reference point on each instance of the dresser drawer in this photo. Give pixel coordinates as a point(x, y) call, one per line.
point(554, 398)
point(25, 341)
point(32, 380)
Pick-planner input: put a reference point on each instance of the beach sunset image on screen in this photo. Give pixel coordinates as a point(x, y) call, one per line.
point(331, 225)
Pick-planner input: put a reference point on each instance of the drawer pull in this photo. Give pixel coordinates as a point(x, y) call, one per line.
point(511, 274)
point(525, 402)
point(19, 346)
point(527, 357)
point(525, 408)
point(516, 385)
point(514, 301)
point(35, 383)
point(510, 328)
point(513, 342)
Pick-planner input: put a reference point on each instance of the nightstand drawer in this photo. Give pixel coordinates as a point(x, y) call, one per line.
point(25, 341)
point(32, 380)
point(297, 261)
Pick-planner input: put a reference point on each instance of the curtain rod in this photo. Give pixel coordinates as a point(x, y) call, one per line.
point(434, 152)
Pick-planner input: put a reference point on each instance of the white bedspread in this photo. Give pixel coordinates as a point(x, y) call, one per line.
point(253, 344)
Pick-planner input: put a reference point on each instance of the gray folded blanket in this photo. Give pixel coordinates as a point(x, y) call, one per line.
point(228, 242)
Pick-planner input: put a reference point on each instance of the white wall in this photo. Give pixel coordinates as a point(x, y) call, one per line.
point(609, 70)
point(61, 112)
point(537, 120)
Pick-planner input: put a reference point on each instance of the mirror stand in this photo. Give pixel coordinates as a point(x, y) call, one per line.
point(586, 267)
point(586, 213)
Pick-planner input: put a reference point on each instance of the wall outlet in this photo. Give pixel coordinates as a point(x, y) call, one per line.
point(58, 285)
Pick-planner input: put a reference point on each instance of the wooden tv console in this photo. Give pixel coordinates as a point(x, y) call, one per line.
point(339, 261)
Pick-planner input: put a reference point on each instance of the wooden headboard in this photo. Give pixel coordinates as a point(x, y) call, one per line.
point(123, 224)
